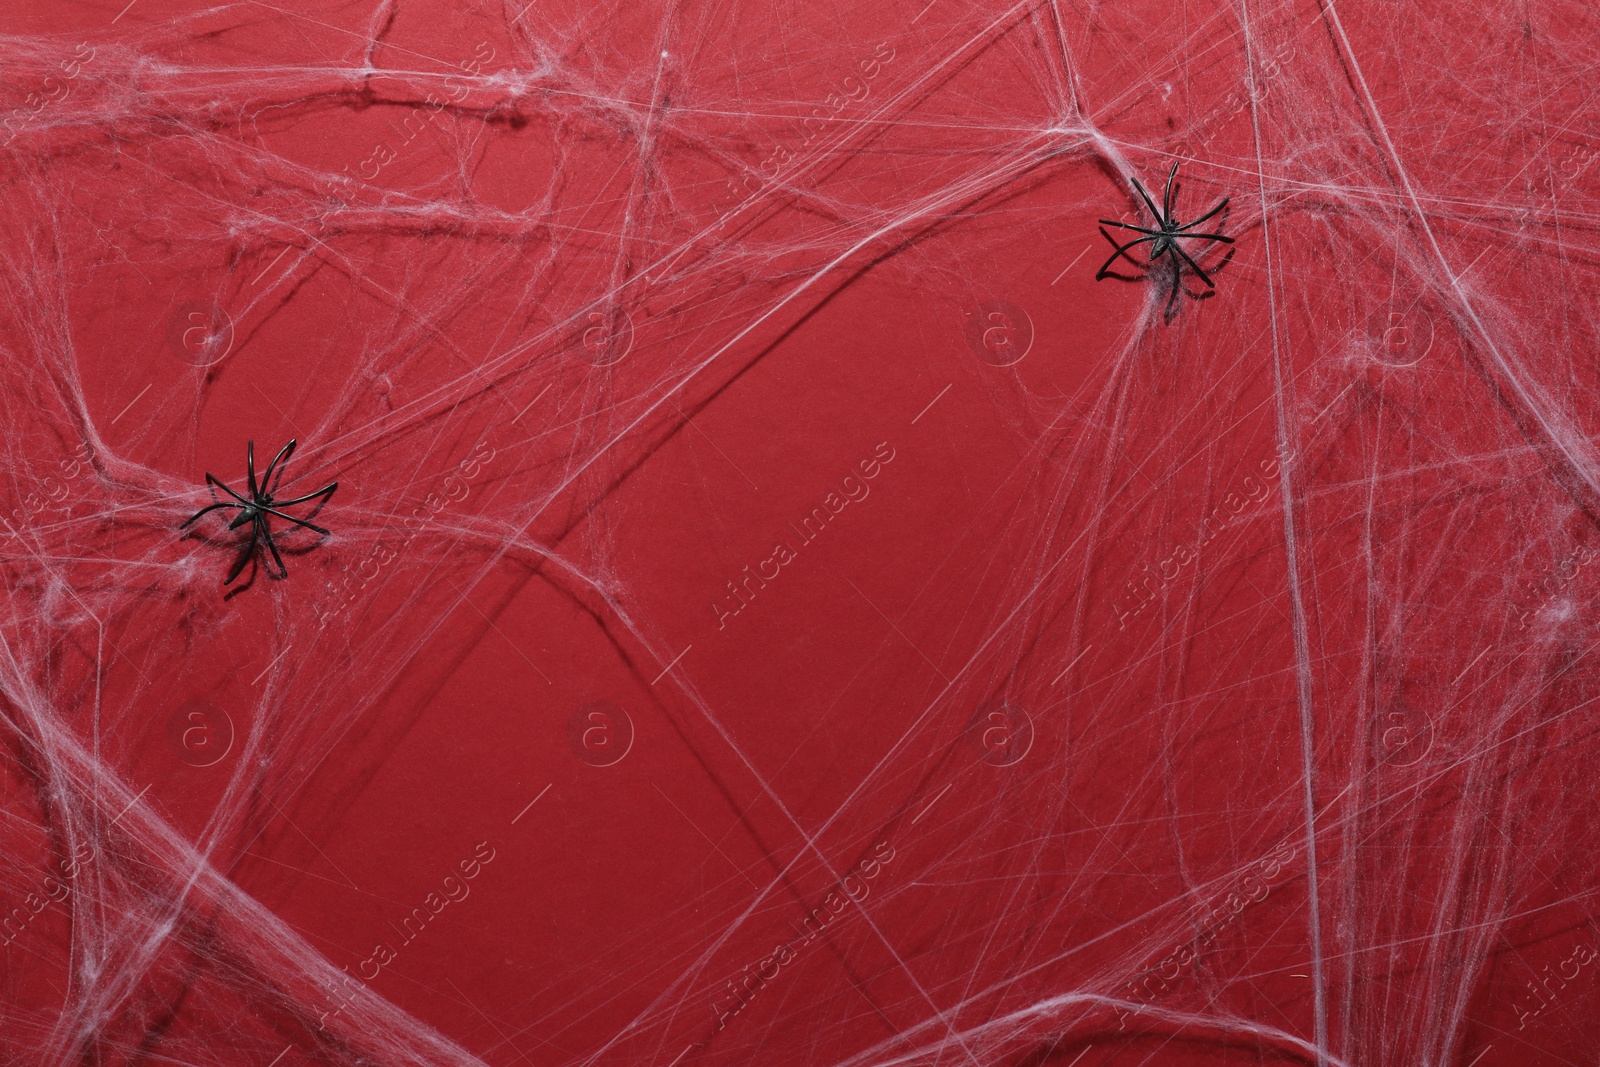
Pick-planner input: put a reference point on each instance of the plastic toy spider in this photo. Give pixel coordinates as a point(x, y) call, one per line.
point(255, 508)
point(1163, 239)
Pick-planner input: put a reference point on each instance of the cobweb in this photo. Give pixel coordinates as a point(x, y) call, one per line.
point(779, 607)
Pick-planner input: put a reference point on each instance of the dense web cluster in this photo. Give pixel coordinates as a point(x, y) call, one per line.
point(779, 606)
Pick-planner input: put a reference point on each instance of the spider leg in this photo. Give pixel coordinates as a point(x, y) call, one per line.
point(282, 457)
point(266, 535)
point(297, 522)
point(328, 489)
point(1121, 250)
point(1160, 218)
point(1203, 275)
point(1224, 238)
point(250, 467)
point(238, 564)
point(1130, 226)
point(1166, 202)
point(212, 478)
point(1207, 215)
point(209, 507)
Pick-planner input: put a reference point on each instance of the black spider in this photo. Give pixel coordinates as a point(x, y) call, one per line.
point(1163, 239)
point(260, 503)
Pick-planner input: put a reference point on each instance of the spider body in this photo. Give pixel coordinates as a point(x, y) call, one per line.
point(1164, 238)
point(261, 502)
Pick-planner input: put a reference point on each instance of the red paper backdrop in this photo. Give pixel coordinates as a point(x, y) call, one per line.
point(779, 606)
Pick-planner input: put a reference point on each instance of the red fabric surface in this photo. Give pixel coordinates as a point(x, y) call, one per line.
point(779, 606)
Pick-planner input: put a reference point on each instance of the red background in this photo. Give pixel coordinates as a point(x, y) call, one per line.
point(1220, 684)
